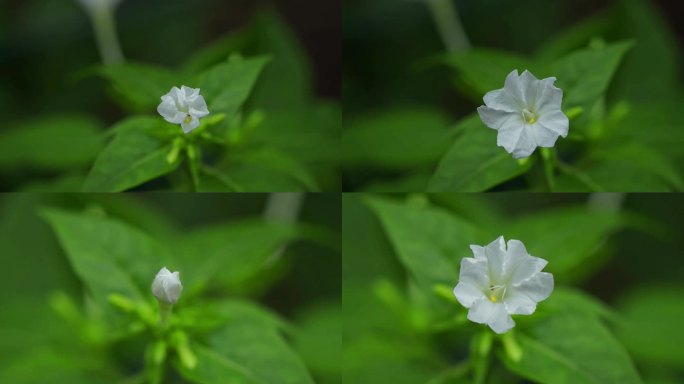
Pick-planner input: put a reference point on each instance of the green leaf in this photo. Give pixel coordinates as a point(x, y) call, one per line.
point(247, 351)
point(214, 368)
point(584, 75)
point(141, 84)
point(652, 71)
point(311, 135)
point(474, 163)
point(227, 85)
point(50, 143)
point(396, 139)
point(319, 341)
point(136, 154)
point(109, 256)
point(572, 348)
point(265, 170)
point(486, 70)
point(650, 326)
point(577, 233)
point(428, 241)
point(576, 36)
point(231, 252)
point(629, 167)
point(286, 83)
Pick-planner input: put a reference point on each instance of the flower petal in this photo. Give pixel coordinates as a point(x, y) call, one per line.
point(478, 252)
point(496, 119)
point(543, 136)
point(178, 96)
point(492, 314)
point(520, 265)
point(517, 140)
point(549, 97)
point(555, 121)
point(537, 287)
point(474, 272)
point(167, 108)
point(529, 87)
point(198, 107)
point(187, 127)
point(189, 93)
point(496, 254)
point(518, 303)
point(514, 90)
point(501, 100)
point(467, 294)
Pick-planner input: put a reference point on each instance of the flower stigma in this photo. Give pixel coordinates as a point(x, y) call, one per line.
point(497, 293)
point(528, 116)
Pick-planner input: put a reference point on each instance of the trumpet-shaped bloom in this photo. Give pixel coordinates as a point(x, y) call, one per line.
point(526, 112)
point(184, 106)
point(501, 281)
point(167, 286)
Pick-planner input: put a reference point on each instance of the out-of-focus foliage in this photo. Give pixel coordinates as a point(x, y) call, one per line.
point(267, 129)
point(402, 321)
point(618, 63)
point(77, 302)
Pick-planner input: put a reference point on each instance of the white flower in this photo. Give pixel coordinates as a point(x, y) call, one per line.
point(500, 282)
point(183, 106)
point(526, 112)
point(167, 286)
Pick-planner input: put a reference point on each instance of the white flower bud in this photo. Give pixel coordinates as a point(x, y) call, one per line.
point(167, 286)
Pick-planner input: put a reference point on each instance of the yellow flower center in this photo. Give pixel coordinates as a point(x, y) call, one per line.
point(188, 119)
point(496, 293)
point(529, 116)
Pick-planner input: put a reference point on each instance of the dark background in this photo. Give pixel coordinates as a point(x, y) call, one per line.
point(45, 43)
point(386, 41)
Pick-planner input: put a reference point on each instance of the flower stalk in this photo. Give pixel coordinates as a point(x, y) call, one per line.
point(449, 25)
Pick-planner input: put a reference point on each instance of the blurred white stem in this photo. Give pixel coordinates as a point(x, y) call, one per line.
point(449, 25)
point(104, 26)
point(606, 201)
point(283, 207)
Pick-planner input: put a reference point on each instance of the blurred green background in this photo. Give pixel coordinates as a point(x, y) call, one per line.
point(49, 60)
point(300, 281)
point(400, 263)
point(402, 104)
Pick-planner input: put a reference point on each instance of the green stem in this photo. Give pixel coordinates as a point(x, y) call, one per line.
point(165, 314)
point(548, 156)
point(104, 25)
point(449, 25)
point(194, 165)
